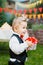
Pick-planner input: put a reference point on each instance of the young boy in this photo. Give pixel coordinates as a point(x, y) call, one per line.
point(17, 47)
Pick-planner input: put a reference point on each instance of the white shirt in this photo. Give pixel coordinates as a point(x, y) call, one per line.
point(15, 46)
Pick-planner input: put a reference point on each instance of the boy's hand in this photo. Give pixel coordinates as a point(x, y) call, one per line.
point(29, 43)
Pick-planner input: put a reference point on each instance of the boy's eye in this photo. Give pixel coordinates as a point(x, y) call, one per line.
point(24, 27)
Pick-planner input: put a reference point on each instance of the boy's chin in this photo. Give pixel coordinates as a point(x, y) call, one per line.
point(23, 34)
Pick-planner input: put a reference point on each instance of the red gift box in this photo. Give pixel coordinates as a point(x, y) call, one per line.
point(32, 39)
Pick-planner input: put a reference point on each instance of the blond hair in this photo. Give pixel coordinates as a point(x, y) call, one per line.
point(17, 21)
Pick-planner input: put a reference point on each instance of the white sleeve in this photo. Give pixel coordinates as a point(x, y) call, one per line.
point(16, 47)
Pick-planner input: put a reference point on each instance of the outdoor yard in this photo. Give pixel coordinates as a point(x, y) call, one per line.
point(33, 10)
point(34, 57)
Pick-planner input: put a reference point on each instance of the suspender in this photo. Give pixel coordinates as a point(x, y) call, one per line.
point(19, 39)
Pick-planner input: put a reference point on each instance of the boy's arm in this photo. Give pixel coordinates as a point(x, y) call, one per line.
point(16, 47)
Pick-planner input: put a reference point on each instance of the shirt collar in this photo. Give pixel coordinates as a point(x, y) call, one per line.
point(15, 33)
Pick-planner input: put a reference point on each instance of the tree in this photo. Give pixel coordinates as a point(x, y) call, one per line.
point(2, 18)
point(2, 14)
point(5, 17)
point(3, 3)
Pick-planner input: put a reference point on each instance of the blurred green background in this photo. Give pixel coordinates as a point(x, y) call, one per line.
point(35, 57)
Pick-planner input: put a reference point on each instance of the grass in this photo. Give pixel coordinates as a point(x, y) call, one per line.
point(34, 57)
point(4, 59)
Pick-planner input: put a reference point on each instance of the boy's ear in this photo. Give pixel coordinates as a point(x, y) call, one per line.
point(15, 28)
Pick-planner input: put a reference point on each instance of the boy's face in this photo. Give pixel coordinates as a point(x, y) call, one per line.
point(21, 28)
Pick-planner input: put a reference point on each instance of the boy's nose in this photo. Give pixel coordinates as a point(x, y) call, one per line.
point(25, 30)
